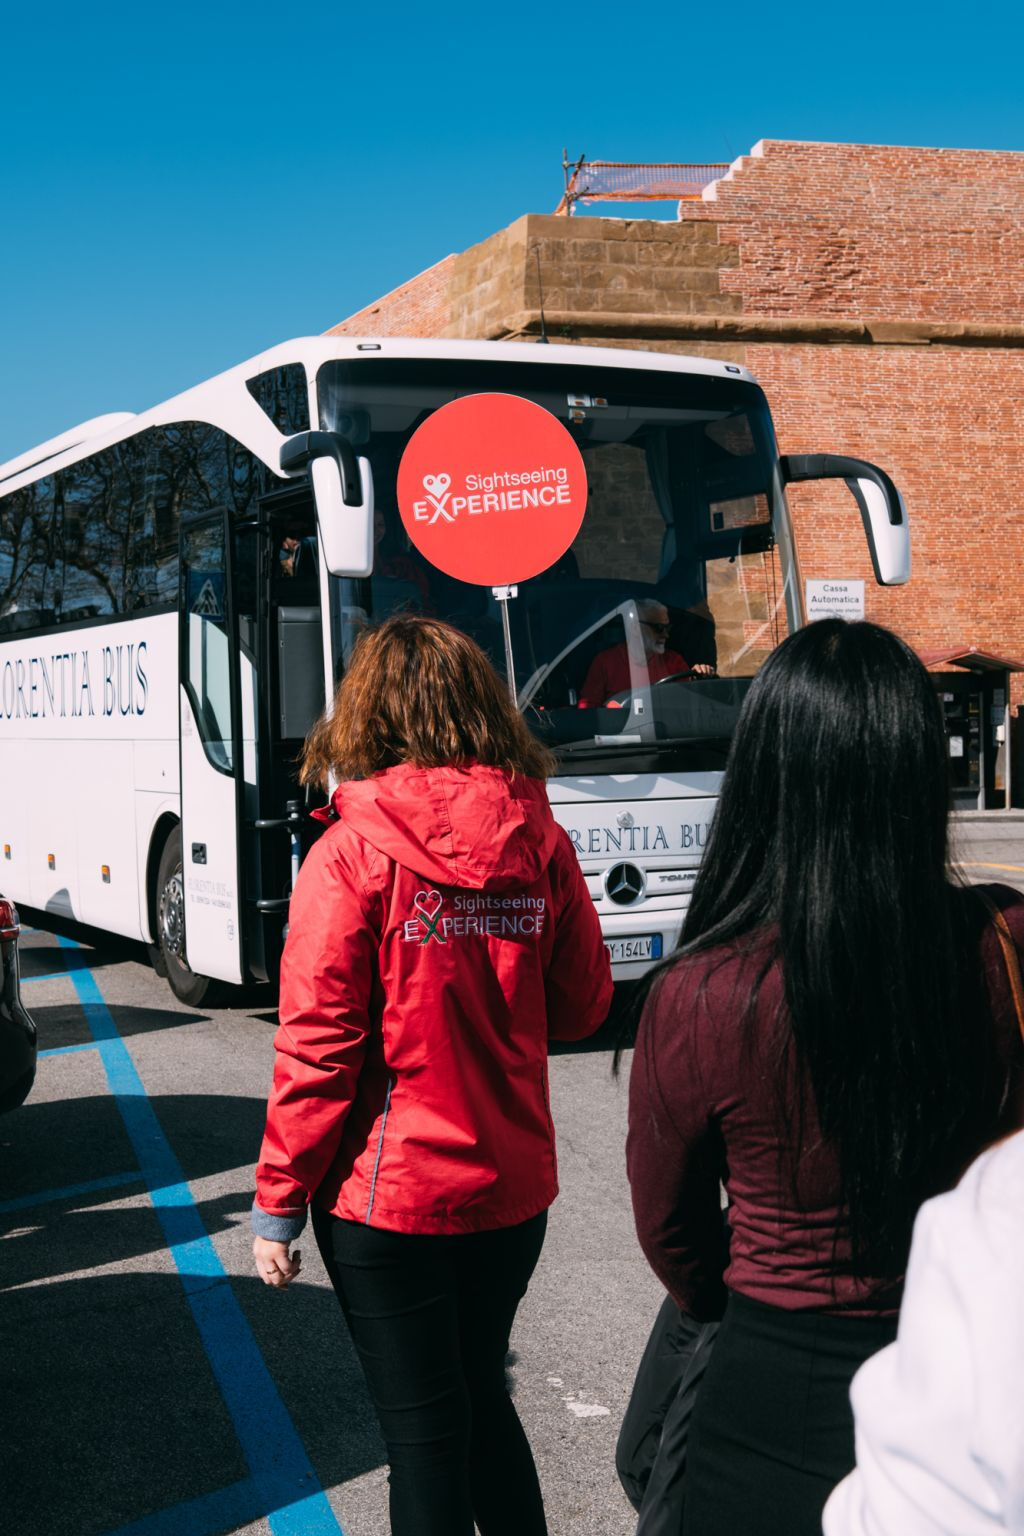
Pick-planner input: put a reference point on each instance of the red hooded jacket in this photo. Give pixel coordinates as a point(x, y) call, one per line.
point(440, 932)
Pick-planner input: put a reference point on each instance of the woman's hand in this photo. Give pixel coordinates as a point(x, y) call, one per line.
point(273, 1264)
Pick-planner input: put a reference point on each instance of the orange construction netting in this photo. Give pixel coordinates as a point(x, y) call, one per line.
point(618, 181)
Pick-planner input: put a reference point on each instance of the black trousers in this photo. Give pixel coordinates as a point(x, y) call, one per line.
point(430, 1318)
point(650, 1456)
point(772, 1428)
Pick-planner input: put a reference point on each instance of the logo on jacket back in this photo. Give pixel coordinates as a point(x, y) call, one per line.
point(473, 912)
point(428, 906)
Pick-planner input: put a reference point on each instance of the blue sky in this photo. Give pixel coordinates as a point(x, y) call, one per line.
point(183, 186)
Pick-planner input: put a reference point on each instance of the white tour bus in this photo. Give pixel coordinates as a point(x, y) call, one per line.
point(179, 588)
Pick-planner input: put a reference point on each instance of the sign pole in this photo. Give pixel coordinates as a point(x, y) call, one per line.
point(502, 594)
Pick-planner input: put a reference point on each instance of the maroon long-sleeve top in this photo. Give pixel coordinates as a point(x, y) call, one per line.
point(706, 1109)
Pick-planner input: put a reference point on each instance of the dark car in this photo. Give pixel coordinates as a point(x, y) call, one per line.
point(17, 1031)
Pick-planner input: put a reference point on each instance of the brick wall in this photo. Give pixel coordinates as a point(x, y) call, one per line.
point(908, 236)
point(876, 292)
point(420, 307)
point(873, 231)
point(947, 425)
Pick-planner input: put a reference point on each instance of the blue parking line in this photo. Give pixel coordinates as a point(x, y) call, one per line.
point(77, 961)
point(66, 1050)
point(288, 1491)
point(46, 1196)
point(223, 1510)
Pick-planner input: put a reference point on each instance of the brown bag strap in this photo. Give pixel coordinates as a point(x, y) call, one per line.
point(1010, 958)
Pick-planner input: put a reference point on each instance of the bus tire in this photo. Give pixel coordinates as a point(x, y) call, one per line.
point(187, 986)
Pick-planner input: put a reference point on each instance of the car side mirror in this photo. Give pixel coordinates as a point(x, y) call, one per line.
point(343, 493)
point(881, 507)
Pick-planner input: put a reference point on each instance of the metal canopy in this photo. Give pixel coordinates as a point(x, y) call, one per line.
point(970, 657)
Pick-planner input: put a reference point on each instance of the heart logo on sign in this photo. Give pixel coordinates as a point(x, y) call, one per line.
point(437, 487)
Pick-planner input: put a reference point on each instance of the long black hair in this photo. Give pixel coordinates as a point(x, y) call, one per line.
point(830, 841)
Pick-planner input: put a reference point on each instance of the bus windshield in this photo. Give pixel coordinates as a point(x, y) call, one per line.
point(640, 642)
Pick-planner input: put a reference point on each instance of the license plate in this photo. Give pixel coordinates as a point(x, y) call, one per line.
point(639, 946)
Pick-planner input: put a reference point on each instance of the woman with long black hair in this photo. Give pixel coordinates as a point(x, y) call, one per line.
point(834, 1041)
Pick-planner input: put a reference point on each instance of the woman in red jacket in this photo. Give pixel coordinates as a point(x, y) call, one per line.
point(834, 1042)
point(440, 933)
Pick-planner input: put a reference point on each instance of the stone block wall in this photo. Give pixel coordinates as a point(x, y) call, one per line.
point(603, 280)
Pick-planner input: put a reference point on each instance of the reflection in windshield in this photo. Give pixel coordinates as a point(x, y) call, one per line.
point(647, 631)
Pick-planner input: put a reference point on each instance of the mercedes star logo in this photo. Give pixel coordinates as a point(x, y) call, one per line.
point(624, 884)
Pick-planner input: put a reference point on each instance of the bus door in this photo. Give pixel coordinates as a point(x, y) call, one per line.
point(291, 697)
point(217, 734)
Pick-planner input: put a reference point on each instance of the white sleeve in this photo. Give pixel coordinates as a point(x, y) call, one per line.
point(940, 1413)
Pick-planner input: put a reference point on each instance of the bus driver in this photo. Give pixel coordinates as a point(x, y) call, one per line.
point(609, 674)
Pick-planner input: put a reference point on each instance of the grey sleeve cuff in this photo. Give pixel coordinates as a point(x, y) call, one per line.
point(276, 1229)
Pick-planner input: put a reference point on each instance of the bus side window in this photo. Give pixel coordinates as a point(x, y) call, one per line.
point(104, 531)
point(192, 466)
point(29, 557)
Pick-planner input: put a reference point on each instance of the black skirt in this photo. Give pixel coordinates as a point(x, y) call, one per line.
point(772, 1430)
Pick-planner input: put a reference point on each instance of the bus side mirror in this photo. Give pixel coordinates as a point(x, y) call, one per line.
point(881, 507)
point(343, 492)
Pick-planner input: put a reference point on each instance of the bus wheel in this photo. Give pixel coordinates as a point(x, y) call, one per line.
point(170, 927)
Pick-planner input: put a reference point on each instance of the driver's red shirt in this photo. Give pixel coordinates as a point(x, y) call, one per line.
point(608, 673)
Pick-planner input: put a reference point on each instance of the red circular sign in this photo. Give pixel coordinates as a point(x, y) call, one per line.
point(492, 489)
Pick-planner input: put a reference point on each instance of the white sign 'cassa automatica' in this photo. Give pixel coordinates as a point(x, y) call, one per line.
point(831, 599)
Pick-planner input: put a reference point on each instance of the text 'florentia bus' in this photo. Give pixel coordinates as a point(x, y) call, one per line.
point(66, 685)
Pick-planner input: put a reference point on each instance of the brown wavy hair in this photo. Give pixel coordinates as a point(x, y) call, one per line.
point(419, 691)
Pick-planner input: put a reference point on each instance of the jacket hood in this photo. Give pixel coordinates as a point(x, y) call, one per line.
point(474, 827)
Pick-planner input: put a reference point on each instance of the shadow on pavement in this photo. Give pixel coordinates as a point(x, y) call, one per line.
point(211, 1133)
point(147, 1021)
point(61, 1024)
point(103, 948)
point(89, 1231)
point(48, 960)
point(63, 1143)
point(112, 1410)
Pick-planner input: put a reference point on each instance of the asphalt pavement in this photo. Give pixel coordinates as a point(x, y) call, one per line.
point(152, 1386)
point(988, 846)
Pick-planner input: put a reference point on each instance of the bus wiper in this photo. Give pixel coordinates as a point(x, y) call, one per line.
point(602, 743)
point(605, 744)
